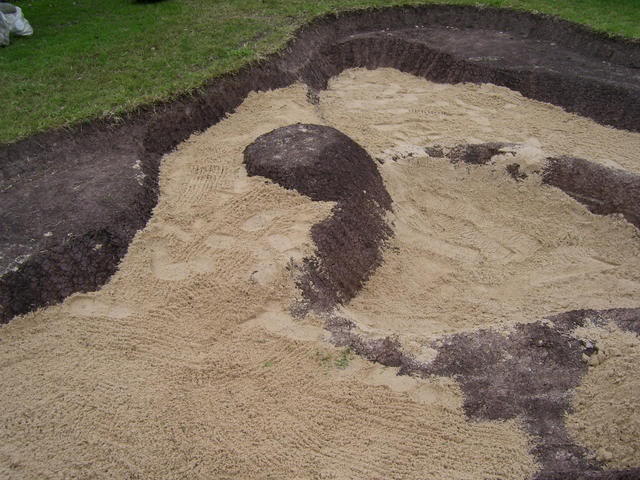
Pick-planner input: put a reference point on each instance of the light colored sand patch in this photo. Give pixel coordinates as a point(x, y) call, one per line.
point(530, 158)
point(443, 392)
point(386, 109)
point(474, 248)
point(87, 305)
point(606, 416)
point(281, 323)
point(206, 376)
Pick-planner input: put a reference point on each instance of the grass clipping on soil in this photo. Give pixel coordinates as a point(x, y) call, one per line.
point(187, 363)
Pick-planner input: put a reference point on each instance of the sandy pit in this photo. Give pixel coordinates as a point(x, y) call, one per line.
point(187, 363)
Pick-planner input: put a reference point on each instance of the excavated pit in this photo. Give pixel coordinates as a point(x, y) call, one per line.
point(85, 223)
point(73, 200)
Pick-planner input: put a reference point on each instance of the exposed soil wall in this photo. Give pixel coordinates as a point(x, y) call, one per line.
point(603, 190)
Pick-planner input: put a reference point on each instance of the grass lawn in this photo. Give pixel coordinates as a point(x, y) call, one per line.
point(92, 58)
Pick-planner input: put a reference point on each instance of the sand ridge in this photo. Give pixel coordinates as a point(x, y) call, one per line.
point(187, 363)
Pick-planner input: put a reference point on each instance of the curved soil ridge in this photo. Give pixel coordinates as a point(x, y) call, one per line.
point(567, 65)
point(326, 165)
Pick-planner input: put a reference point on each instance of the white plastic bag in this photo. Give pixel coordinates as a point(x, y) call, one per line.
point(4, 30)
point(12, 21)
point(20, 24)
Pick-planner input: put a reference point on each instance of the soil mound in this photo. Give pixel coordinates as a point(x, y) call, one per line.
point(324, 164)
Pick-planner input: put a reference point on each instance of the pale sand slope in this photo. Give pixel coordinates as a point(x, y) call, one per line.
point(186, 366)
point(607, 404)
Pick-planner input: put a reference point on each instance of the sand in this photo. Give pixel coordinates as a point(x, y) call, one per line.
point(187, 364)
point(473, 248)
point(606, 406)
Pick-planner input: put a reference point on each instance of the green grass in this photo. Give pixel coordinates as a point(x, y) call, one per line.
point(344, 359)
point(341, 361)
point(91, 58)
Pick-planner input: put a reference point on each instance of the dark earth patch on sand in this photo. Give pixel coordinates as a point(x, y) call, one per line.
point(475, 153)
point(529, 373)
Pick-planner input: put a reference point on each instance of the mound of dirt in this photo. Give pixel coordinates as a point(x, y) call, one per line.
point(326, 165)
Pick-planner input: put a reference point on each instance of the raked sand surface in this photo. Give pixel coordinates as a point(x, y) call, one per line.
point(187, 365)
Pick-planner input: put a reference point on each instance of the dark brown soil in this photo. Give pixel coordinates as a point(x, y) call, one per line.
point(61, 189)
point(602, 190)
point(386, 351)
point(324, 164)
point(475, 153)
point(68, 216)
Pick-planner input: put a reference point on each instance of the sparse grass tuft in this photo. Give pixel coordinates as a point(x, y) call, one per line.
point(324, 359)
point(340, 361)
point(344, 359)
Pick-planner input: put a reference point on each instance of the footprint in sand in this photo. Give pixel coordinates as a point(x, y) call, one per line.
point(281, 243)
point(264, 273)
point(220, 241)
point(275, 320)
